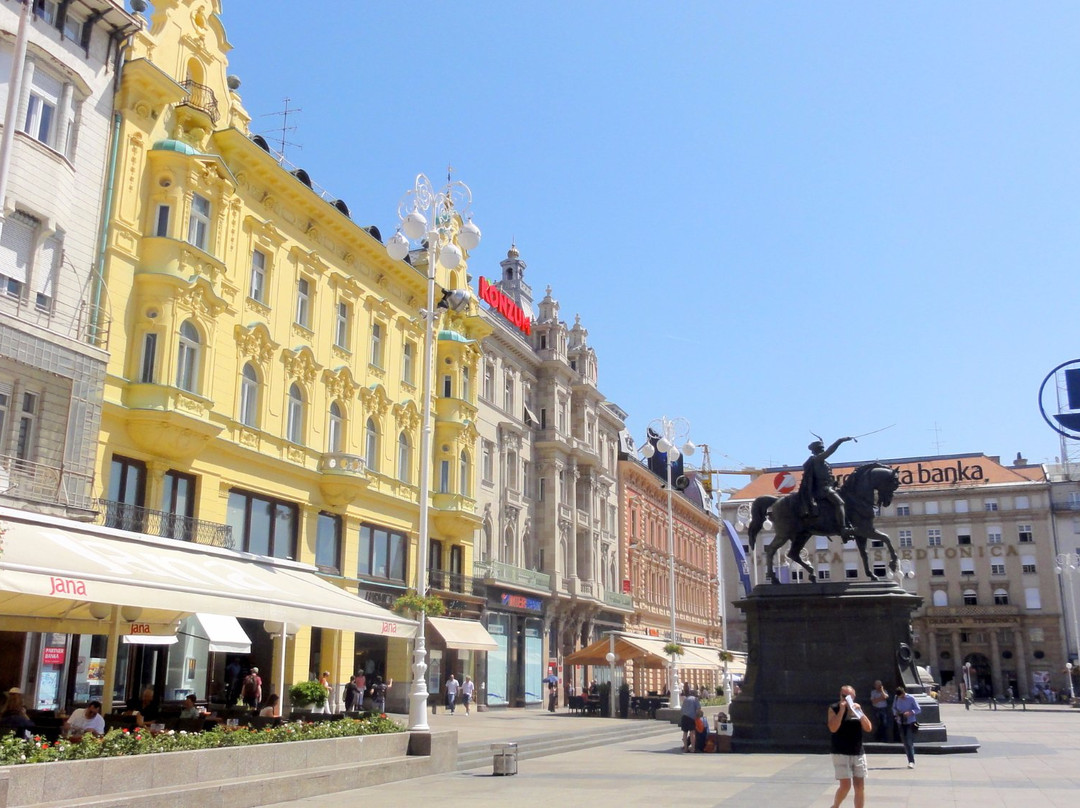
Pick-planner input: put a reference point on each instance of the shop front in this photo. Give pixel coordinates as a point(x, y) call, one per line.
point(515, 668)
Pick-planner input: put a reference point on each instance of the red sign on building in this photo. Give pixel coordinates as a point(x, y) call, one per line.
point(53, 656)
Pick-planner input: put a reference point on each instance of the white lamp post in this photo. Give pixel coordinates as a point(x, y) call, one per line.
point(444, 243)
point(1068, 565)
point(670, 433)
point(967, 676)
point(1068, 672)
point(905, 572)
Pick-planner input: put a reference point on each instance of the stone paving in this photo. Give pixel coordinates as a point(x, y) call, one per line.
point(1027, 759)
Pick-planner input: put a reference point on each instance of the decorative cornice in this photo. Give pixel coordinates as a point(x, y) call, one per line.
point(300, 364)
point(255, 341)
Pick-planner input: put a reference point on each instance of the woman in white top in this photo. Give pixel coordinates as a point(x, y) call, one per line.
point(272, 708)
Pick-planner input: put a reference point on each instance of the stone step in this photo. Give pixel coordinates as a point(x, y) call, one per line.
point(262, 789)
point(478, 754)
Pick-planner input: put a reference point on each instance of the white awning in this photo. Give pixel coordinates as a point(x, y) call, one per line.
point(58, 573)
point(463, 635)
point(149, 639)
point(225, 634)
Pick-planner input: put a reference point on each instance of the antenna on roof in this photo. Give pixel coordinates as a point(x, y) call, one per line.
point(280, 134)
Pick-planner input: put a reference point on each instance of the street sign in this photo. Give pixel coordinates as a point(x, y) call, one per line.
point(1059, 399)
point(785, 482)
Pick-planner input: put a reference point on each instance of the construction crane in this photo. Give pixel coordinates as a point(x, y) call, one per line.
point(707, 472)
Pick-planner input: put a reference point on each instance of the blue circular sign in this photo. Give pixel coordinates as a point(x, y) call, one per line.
point(1063, 415)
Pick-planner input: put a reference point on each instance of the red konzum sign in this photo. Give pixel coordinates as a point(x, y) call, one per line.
point(495, 298)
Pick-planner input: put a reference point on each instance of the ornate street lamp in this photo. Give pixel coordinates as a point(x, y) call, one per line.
point(444, 237)
point(673, 438)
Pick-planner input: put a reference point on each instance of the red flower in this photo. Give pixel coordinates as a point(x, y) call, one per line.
point(125, 731)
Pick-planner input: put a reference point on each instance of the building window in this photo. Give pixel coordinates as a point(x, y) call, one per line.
point(489, 383)
point(187, 359)
point(376, 345)
point(407, 362)
point(149, 359)
point(465, 391)
point(382, 553)
point(1032, 598)
point(1024, 533)
point(263, 525)
point(487, 461)
point(328, 542)
point(931, 508)
point(24, 446)
point(199, 223)
point(444, 477)
point(527, 481)
point(161, 221)
point(997, 567)
point(178, 500)
point(303, 303)
point(971, 598)
point(341, 329)
point(371, 445)
point(294, 424)
point(1022, 503)
point(465, 473)
point(1001, 597)
point(937, 567)
point(933, 536)
point(40, 121)
point(249, 396)
point(940, 598)
point(258, 276)
point(335, 432)
point(821, 542)
point(993, 535)
point(73, 28)
point(447, 386)
point(881, 570)
point(967, 566)
point(512, 470)
point(1027, 564)
point(46, 11)
point(404, 472)
point(990, 504)
point(508, 393)
point(17, 239)
point(960, 506)
point(963, 538)
point(824, 573)
point(127, 481)
point(903, 536)
point(903, 510)
point(851, 570)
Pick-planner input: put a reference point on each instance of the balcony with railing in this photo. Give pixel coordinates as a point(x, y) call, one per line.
point(75, 319)
point(498, 572)
point(618, 600)
point(458, 582)
point(344, 477)
point(988, 610)
point(122, 516)
point(24, 481)
point(202, 98)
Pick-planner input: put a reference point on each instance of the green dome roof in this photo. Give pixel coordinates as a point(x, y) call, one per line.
point(453, 336)
point(176, 146)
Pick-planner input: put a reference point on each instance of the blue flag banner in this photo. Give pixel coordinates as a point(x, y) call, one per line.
point(740, 557)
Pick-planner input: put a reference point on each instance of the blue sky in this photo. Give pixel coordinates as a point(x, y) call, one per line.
point(772, 217)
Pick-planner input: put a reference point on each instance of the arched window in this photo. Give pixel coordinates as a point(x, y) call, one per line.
point(971, 597)
point(371, 446)
point(249, 396)
point(295, 420)
point(507, 552)
point(1001, 597)
point(404, 458)
point(187, 360)
point(335, 433)
point(940, 598)
point(463, 470)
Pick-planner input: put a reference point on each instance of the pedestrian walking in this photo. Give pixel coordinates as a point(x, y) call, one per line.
point(452, 687)
point(467, 690)
point(907, 710)
point(879, 700)
point(847, 723)
point(690, 707)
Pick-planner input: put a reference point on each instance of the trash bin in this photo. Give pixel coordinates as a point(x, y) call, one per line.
point(504, 760)
point(724, 730)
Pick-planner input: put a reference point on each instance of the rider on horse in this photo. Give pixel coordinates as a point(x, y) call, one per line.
point(818, 484)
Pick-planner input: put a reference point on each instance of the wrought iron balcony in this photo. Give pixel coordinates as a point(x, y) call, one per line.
point(159, 523)
point(202, 98)
point(37, 482)
point(446, 581)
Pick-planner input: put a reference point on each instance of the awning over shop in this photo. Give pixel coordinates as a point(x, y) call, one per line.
point(463, 635)
point(57, 575)
point(225, 634)
point(150, 639)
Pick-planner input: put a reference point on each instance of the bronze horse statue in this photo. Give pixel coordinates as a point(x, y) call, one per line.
point(870, 485)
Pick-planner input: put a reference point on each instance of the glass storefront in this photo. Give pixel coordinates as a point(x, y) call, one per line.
point(497, 684)
point(534, 661)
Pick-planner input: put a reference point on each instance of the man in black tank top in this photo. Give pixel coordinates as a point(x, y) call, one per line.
point(847, 723)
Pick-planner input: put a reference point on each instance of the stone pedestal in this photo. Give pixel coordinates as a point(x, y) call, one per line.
point(807, 640)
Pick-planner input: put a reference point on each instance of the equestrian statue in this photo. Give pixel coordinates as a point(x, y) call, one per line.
point(819, 509)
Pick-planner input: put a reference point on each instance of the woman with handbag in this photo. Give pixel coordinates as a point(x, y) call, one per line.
point(906, 710)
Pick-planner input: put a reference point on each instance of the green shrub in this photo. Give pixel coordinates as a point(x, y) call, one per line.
point(308, 693)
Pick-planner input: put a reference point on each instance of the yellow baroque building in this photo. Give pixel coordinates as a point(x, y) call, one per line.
point(264, 389)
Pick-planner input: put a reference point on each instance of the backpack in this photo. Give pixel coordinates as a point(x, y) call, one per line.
point(251, 685)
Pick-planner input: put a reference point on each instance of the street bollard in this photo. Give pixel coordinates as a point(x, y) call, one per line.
point(504, 760)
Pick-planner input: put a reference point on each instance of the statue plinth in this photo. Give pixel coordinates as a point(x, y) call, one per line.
point(805, 641)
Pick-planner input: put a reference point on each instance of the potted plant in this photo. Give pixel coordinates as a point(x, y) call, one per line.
point(624, 700)
point(727, 656)
point(412, 603)
point(307, 694)
point(673, 649)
